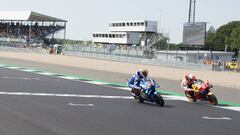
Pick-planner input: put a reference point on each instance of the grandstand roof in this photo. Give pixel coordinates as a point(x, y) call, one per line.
point(27, 16)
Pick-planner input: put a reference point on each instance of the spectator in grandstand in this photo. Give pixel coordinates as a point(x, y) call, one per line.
point(21, 31)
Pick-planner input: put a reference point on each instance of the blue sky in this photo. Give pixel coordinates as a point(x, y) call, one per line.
point(87, 16)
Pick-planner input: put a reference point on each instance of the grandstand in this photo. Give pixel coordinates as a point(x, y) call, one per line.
point(28, 27)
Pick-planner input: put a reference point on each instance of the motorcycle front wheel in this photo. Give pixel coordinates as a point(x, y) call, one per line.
point(159, 100)
point(212, 99)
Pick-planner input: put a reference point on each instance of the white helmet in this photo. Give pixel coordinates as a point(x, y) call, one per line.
point(192, 77)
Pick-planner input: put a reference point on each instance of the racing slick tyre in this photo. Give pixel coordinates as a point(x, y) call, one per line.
point(142, 97)
point(141, 100)
point(190, 96)
point(159, 100)
point(212, 99)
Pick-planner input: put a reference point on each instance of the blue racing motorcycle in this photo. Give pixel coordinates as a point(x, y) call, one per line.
point(148, 92)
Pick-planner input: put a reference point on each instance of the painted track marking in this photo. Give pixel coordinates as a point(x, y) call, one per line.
point(84, 105)
point(64, 95)
point(230, 108)
point(215, 118)
point(20, 78)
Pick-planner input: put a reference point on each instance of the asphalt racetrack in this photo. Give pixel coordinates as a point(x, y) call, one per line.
point(44, 105)
point(223, 93)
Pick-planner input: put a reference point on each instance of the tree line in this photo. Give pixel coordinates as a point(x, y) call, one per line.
point(225, 38)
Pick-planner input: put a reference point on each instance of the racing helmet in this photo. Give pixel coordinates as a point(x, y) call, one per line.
point(142, 73)
point(192, 77)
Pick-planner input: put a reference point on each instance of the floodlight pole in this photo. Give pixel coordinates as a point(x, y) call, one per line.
point(192, 9)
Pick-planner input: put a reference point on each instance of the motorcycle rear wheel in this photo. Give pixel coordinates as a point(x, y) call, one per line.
point(142, 97)
point(190, 97)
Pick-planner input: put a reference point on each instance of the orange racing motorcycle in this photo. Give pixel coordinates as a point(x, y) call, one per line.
point(201, 91)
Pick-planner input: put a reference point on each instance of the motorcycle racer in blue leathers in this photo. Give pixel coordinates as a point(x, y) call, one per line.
point(134, 82)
